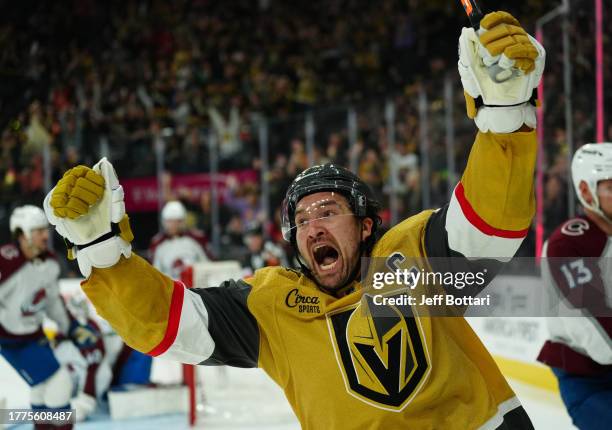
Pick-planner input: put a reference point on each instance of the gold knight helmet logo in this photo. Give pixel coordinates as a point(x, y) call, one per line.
point(381, 352)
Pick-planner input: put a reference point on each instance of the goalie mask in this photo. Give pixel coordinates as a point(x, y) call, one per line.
point(592, 163)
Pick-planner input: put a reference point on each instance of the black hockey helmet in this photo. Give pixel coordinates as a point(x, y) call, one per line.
point(329, 177)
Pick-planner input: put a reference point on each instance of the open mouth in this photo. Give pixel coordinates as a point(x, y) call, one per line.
point(326, 256)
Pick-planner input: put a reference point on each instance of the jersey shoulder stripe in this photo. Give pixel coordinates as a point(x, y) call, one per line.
point(577, 237)
point(11, 260)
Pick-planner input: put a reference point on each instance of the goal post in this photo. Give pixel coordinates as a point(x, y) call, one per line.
point(204, 275)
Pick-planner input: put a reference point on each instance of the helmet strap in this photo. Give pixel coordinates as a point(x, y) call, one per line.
point(595, 205)
point(597, 210)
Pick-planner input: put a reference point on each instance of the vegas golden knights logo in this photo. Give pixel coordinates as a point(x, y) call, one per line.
point(381, 352)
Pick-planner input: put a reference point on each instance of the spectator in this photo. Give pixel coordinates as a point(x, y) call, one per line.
point(262, 252)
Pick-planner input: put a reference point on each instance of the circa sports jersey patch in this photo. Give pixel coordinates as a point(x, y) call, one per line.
point(303, 302)
point(383, 359)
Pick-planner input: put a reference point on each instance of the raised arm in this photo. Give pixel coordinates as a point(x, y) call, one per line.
point(151, 312)
point(492, 206)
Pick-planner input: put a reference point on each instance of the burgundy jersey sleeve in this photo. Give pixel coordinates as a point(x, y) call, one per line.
point(574, 251)
point(11, 260)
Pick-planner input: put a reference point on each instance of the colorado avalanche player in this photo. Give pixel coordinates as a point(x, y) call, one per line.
point(28, 291)
point(98, 363)
point(85, 360)
point(176, 248)
point(579, 269)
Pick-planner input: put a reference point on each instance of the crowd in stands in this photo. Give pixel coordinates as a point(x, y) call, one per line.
point(126, 79)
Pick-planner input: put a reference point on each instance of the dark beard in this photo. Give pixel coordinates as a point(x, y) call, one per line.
point(344, 287)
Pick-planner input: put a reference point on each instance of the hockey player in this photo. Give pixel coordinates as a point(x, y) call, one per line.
point(341, 367)
point(176, 248)
point(29, 290)
point(89, 372)
point(98, 364)
point(262, 252)
point(577, 266)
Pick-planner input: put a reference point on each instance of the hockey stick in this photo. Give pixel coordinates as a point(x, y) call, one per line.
point(473, 12)
point(497, 73)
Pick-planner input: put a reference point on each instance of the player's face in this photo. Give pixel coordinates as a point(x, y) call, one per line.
point(173, 226)
point(38, 239)
point(328, 237)
point(604, 194)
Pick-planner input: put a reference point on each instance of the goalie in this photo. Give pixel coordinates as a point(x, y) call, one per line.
point(340, 368)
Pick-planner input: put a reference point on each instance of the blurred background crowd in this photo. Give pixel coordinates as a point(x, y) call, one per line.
point(150, 84)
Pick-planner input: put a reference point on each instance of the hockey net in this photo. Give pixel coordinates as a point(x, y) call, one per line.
point(225, 396)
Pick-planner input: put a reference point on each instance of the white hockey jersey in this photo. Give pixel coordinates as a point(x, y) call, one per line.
point(171, 255)
point(29, 290)
point(577, 263)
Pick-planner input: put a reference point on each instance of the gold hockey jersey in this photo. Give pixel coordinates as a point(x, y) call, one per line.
point(341, 367)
